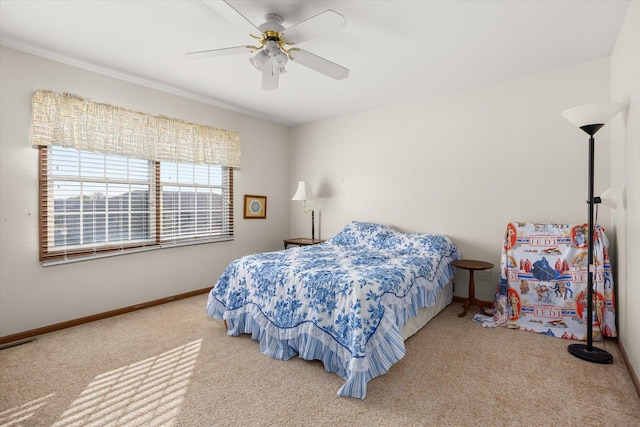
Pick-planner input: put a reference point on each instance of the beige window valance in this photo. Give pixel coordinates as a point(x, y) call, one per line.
point(71, 121)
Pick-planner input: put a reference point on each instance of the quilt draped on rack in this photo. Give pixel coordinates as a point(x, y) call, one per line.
point(543, 281)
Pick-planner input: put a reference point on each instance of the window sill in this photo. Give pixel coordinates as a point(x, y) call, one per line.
point(93, 256)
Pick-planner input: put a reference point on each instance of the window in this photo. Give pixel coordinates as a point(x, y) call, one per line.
point(193, 201)
point(94, 203)
point(114, 180)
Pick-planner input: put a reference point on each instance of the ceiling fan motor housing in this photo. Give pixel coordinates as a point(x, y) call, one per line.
point(273, 22)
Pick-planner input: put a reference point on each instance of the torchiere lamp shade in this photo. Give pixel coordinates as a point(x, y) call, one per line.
point(591, 117)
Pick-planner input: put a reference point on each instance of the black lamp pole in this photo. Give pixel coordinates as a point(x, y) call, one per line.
point(588, 352)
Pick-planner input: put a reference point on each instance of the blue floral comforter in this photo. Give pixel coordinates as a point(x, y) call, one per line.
point(344, 301)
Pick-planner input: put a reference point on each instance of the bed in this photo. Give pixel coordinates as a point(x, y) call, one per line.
point(349, 302)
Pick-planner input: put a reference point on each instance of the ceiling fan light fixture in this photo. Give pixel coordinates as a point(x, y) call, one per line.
point(280, 59)
point(259, 59)
point(272, 47)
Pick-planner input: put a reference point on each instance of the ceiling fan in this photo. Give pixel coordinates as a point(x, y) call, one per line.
point(276, 43)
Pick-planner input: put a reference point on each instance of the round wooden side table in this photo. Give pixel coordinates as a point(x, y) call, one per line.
point(471, 265)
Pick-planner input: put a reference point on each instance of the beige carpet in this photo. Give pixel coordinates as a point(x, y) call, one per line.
point(171, 365)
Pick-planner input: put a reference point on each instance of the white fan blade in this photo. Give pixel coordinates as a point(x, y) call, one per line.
point(212, 53)
point(317, 25)
point(232, 15)
point(318, 64)
point(270, 75)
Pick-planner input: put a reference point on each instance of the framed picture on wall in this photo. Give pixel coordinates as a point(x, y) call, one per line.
point(255, 207)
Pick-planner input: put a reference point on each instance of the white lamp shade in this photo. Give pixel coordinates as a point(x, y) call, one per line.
point(303, 192)
point(592, 114)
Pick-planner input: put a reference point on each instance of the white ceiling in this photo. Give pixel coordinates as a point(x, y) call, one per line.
point(395, 50)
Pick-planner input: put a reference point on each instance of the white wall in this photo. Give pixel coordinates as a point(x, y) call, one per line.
point(463, 164)
point(625, 88)
point(32, 296)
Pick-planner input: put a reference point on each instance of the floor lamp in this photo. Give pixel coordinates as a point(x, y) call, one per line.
point(304, 193)
point(590, 118)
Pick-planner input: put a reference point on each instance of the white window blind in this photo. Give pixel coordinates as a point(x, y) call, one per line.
point(194, 198)
point(96, 202)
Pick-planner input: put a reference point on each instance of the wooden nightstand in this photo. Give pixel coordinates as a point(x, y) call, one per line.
point(301, 242)
point(471, 265)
